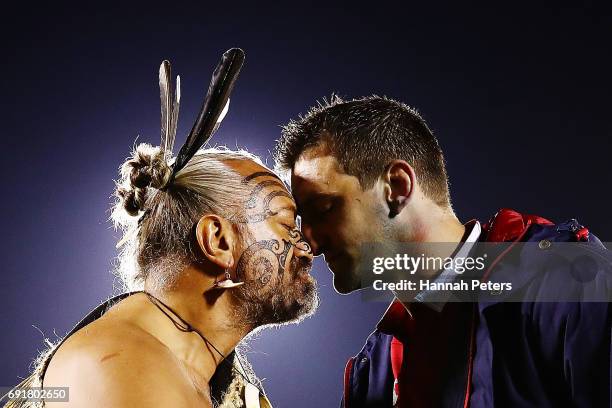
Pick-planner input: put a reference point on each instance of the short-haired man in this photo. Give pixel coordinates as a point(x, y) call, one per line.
point(370, 170)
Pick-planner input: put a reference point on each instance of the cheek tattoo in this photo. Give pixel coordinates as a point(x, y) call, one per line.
point(262, 258)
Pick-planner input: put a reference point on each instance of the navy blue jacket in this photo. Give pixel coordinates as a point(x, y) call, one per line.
point(493, 353)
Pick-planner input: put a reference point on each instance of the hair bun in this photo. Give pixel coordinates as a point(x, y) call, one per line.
point(146, 168)
point(140, 178)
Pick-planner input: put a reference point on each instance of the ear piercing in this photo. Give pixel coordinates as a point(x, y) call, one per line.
point(226, 282)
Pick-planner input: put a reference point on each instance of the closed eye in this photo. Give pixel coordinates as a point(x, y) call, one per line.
point(287, 217)
point(324, 207)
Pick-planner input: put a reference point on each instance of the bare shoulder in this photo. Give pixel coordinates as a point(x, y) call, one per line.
point(114, 363)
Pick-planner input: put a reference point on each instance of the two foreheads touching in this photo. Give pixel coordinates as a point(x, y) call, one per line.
point(364, 136)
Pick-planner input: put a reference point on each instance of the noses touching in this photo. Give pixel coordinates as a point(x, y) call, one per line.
point(315, 238)
point(302, 248)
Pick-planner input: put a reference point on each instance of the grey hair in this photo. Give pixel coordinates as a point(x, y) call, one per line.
point(157, 218)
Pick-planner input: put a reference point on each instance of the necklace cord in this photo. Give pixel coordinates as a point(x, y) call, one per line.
point(186, 328)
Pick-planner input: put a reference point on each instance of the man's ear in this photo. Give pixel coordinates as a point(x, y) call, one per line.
point(216, 239)
point(398, 180)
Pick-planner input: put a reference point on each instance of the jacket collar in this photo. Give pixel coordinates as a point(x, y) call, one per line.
point(396, 320)
point(508, 225)
point(505, 225)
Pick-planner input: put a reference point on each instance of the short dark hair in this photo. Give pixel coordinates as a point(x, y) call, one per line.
point(365, 135)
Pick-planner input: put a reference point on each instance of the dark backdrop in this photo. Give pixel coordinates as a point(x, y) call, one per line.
point(519, 98)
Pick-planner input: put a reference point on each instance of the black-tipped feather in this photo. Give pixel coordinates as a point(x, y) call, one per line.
point(219, 90)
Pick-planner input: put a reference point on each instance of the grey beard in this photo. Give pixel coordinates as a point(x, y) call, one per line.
point(276, 303)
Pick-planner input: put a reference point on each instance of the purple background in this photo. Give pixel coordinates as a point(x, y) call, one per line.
point(519, 98)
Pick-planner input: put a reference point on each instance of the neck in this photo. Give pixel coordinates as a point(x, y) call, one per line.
point(431, 224)
point(190, 298)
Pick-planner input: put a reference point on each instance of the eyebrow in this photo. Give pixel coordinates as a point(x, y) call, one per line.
point(291, 208)
point(314, 197)
point(276, 193)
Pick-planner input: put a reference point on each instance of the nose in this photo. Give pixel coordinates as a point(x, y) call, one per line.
point(307, 231)
point(302, 249)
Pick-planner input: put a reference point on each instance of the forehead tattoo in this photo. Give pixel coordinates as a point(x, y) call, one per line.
point(257, 204)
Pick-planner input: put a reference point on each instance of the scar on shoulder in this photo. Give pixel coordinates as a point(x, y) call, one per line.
point(109, 356)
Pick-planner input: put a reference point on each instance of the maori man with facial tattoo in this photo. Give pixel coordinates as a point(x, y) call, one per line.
point(211, 252)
